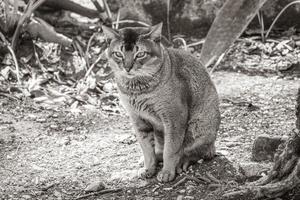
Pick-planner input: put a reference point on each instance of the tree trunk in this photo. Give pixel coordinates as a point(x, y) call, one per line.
point(285, 174)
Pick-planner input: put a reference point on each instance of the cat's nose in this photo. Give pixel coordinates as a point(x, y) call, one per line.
point(128, 67)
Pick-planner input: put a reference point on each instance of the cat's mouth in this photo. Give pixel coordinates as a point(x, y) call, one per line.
point(129, 74)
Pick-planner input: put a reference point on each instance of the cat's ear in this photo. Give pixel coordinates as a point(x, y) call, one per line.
point(110, 33)
point(155, 32)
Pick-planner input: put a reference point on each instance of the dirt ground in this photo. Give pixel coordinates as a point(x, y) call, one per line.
point(56, 154)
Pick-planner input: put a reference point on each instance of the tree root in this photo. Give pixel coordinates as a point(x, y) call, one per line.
point(284, 176)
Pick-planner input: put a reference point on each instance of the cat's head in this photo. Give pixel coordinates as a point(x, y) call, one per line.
point(135, 51)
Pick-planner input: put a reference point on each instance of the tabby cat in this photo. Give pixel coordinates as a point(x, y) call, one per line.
point(169, 97)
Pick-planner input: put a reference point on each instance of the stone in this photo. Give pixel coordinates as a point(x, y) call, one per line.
point(253, 169)
point(179, 197)
point(264, 147)
point(41, 120)
point(95, 186)
point(70, 128)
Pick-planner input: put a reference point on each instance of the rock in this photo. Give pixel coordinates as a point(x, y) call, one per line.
point(253, 169)
point(264, 147)
point(54, 126)
point(179, 197)
point(95, 186)
point(41, 120)
point(189, 197)
point(70, 129)
point(26, 196)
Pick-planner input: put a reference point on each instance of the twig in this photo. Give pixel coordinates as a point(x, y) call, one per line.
point(18, 148)
point(87, 50)
point(82, 54)
point(38, 59)
point(98, 193)
point(212, 178)
point(16, 63)
point(197, 180)
point(196, 43)
point(93, 65)
point(118, 20)
point(179, 182)
point(10, 49)
point(202, 178)
point(106, 7)
point(98, 6)
point(262, 25)
point(217, 63)
point(132, 21)
point(279, 14)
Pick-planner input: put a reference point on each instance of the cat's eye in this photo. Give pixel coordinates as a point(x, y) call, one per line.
point(118, 54)
point(141, 55)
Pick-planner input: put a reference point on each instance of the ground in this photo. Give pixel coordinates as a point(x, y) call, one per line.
point(56, 154)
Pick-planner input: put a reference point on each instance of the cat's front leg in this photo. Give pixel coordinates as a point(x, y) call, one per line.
point(145, 136)
point(174, 133)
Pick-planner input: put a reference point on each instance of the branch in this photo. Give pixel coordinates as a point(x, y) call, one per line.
point(31, 7)
point(39, 28)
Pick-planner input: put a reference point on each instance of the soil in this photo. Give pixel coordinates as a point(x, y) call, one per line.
point(56, 153)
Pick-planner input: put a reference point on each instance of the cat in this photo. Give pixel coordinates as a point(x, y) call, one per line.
point(169, 96)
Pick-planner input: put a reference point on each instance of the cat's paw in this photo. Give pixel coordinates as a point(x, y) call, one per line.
point(147, 173)
point(183, 165)
point(166, 176)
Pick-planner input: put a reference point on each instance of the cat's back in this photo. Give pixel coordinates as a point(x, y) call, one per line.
point(186, 66)
point(190, 72)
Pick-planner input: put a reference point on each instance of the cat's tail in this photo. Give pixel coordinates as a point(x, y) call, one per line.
point(229, 24)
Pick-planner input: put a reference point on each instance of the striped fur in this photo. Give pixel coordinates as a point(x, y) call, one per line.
point(171, 101)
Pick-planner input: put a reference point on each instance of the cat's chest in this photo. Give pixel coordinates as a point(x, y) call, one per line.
point(140, 105)
point(146, 106)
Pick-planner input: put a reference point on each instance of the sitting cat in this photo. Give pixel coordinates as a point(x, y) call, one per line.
point(169, 97)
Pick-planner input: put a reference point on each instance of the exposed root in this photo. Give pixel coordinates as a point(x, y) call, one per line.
point(284, 176)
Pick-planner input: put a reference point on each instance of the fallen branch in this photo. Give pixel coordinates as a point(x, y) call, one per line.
point(39, 28)
point(98, 193)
